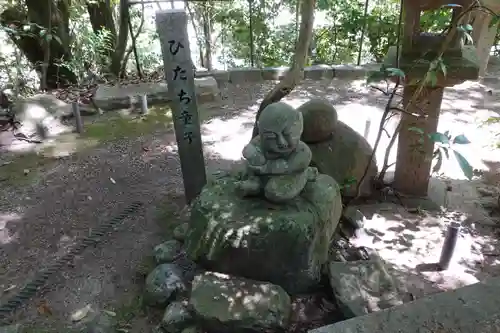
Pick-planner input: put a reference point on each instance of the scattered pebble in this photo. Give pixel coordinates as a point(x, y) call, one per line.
point(81, 313)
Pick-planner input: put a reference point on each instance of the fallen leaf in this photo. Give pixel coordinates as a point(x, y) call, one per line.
point(81, 313)
point(109, 313)
point(112, 180)
point(146, 149)
point(89, 197)
point(9, 288)
point(44, 309)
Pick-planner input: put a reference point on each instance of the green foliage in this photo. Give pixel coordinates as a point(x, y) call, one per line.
point(445, 143)
point(384, 73)
point(89, 49)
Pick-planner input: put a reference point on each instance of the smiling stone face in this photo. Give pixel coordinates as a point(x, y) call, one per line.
point(280, 128)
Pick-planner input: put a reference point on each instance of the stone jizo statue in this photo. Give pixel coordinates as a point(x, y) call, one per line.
point(277, 162)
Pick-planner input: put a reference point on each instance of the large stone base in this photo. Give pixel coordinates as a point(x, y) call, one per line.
point(251, 238)
point(345, 156)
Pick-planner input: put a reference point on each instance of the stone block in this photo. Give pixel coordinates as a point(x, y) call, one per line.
point(224, 303)
point(207, 89)
point(349, 72)
point(120, 97)
point(318, 72)
point(345, 156)
point(255, 239)
point(241, 75)
point(363, 286)
point(220, 76)
point(274, 73)
point(471, 309)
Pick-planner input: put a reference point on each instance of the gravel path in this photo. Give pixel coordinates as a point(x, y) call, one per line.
point(39, 222)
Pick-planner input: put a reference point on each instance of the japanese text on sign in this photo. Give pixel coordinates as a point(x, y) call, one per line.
point(174, 46)
point(179, 73)
point(186, 117)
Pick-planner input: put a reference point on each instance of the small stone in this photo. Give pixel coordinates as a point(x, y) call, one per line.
point(180, 232)
point(102, 323)
point(167, 251)
point(363, 286)
point(176, 318)
point(223, 302)
point(162, 284)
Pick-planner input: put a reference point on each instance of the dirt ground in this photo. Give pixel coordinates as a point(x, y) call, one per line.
point(67, 197)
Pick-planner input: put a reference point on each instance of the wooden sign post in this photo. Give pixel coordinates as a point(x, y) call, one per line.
point(172, 29)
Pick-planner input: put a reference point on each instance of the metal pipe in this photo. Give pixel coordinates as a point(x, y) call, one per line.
point(144, 103)
point(78, 117)
point(450, 242)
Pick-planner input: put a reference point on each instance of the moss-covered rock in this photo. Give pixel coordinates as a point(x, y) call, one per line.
point(320, 120)
point(344, 157)
point(250, 237)
point(224, 303)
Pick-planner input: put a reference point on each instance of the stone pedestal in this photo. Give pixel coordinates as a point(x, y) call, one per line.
point(412, 151)
point(414, 157)
point(254, 239)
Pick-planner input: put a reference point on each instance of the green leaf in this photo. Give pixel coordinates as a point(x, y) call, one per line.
point(26, 27)
point(461, 140)
point(445, 151)
point(439, 137)
point(468, 27)
point(442, 67)
point(48, 37)
point(439, 162)
point(431, 78)
point(469, 38)
point(464, 165)
point(494, 21)
point(416, 130)
point(59, 39)
point(395, 72)
point(447, 133)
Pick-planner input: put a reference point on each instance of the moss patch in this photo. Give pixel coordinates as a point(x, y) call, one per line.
point(119, 125)
point(168, 218)
point(24, 168)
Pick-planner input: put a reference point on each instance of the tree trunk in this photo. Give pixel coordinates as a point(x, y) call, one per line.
point(296, 73)
point(101, 16)
point(30, 42)
point(207, 33)
point(121, 45)
point(194, 18)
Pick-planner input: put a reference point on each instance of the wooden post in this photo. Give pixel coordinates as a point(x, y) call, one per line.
point(172, 28)
point(414, 157)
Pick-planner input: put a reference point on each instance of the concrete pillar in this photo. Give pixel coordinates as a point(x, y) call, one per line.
point(483, 37)
point(414, 155)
